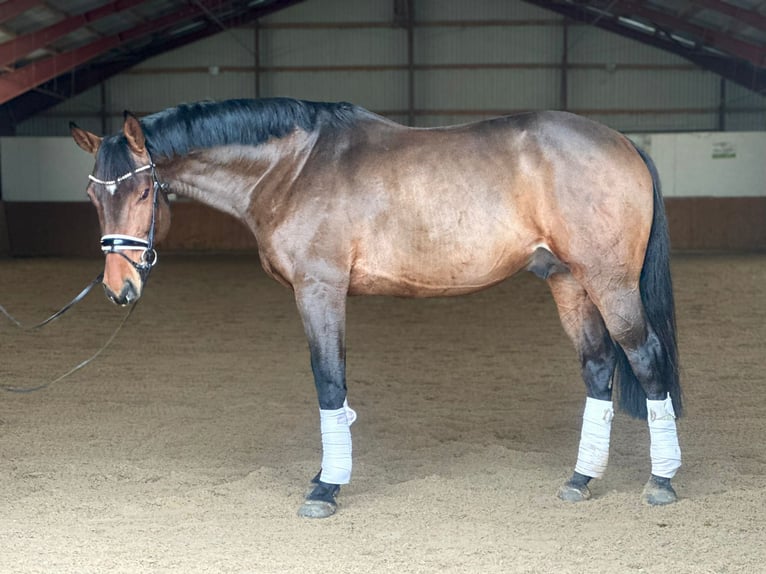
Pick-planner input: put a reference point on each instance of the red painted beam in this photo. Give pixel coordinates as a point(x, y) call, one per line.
point(28, 43)
point(13, 8)
point(23, 79)
point(743, 15)
point(753, 53)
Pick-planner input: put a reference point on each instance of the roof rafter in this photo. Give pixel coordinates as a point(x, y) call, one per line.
point(738, 70)
point(727, 40)
point(9, 10)
point(19, 81)
point(67, 85)
point(753, 53)
point(28, 43)
point(743, 15)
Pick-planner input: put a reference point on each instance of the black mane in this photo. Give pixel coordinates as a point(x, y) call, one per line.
point(177, 131)
point(180, 130)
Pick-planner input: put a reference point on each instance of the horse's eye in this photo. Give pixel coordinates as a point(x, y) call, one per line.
point(144, 194)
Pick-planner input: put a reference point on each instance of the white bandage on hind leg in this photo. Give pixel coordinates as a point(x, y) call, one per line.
point(594, 440)
point(350, 413)
point(665, 452)
point(336, 444)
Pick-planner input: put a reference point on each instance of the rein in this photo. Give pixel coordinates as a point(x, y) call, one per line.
point(111, 243)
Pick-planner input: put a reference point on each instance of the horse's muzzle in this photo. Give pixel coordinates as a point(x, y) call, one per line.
point(127, 295)
point(123, 282)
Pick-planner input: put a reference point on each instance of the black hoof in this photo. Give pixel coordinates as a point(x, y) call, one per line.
point(658, 491)
point(320, 502)
point(575, 489)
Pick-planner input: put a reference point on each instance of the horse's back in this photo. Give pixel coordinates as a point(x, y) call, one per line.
point(429, 212)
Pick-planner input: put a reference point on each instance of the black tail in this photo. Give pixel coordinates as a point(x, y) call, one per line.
point(656, 289)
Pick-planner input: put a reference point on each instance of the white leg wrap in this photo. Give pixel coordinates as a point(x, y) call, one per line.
point(594, 440)
point(336, 444)
point(665, 452)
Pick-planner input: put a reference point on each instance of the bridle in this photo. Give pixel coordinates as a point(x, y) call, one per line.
point(112, 243)
point(119, 243)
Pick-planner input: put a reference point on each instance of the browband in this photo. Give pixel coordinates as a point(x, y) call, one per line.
point(111, 186)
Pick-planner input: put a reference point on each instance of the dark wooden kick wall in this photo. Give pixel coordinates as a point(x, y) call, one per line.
point(71, 229)
point(717, 223)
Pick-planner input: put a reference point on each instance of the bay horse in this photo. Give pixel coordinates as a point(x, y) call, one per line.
point(344, 202)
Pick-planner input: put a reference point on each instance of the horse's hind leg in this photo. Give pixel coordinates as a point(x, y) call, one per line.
point(584, 325)
point(643, 367)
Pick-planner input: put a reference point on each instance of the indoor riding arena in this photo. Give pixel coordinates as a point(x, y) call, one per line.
point(180, 433)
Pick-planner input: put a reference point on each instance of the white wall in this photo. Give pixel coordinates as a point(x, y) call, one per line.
point(722, 164)
point(43, 169)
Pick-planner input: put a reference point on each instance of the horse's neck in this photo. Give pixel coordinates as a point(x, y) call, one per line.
point(229, 178)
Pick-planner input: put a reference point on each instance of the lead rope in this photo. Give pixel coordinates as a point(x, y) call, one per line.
point(58, 313)
point(77, 367)
point(80, 296)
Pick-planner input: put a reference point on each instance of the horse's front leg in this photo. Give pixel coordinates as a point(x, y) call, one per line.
point(322, 307)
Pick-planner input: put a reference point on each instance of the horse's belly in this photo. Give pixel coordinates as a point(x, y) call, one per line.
point(451, 241)
point(432, 275)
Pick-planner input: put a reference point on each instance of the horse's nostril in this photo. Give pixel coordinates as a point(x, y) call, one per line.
point(110, 294)
point(127, 294)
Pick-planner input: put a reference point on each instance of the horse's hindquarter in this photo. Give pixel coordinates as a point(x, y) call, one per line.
point(600, 203)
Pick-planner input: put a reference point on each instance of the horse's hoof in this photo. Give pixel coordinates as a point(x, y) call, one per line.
point(317, 509)
point(320, 502)
point(658, 492)
point(573, 492)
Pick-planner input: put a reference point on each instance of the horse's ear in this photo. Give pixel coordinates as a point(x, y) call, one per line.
point(86, 140)
point(135, 134)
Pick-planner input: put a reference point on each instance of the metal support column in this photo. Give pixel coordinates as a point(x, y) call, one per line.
point(722, 105)
point(257, 57)
point(564, 97)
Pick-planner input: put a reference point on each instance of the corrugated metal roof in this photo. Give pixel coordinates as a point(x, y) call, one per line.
point(51, 50)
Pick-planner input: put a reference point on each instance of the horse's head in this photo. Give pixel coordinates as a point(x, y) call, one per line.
point(131, 207)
